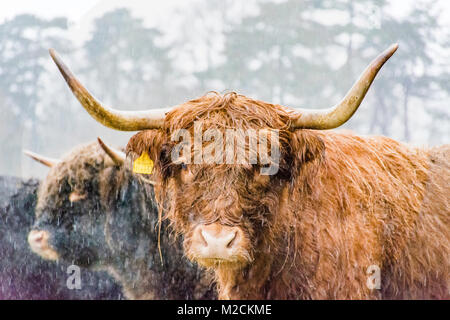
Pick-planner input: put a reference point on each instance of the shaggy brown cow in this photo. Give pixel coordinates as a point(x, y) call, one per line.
point(92, 212)
point(336, 208)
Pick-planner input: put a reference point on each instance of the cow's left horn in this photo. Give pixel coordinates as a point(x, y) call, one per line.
point(339, 114)
point(117, 156)
point(49, 162)
point(115, 119)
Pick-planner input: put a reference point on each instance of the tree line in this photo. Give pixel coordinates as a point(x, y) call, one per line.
point(298, 53)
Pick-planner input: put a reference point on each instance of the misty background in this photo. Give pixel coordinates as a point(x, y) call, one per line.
point(151, 54)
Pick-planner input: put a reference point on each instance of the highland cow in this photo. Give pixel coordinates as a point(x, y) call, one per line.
point(337, 208)
point(24, 275)
point(92, 212)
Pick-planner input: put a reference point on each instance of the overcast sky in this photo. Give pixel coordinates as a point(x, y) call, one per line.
point(47, 8)
point(82, 12)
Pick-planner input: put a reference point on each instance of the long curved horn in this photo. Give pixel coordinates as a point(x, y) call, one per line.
point(49, 162)
point(117, 156)
point(115, 119)
point(339, 114)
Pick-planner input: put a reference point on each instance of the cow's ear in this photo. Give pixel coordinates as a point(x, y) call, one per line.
point(307, 148)
point(149, 141)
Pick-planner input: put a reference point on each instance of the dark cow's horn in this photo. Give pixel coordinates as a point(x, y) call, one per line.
point(117, 156)
point(49, 162)
point(115, 119)
point(339, 114)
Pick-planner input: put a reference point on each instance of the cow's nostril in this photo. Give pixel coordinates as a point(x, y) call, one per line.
point(37, 236)
point(202, 237)
point(233, 240)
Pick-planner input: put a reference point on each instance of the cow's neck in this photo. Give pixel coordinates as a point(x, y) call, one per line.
point(246, 282)
point(272, 274)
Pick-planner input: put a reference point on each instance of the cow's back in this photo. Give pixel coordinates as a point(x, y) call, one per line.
point(424, 264)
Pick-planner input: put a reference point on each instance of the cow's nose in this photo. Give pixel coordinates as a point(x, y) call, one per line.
point(221, 240)
point(37, 238)
point(216, 241)
point(38, 241)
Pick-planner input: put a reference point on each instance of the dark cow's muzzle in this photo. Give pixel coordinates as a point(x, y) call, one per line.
point(39, 244)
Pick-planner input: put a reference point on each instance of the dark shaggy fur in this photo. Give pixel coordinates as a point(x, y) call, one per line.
point(23, 275)
point(339, 204)
point(113, 226)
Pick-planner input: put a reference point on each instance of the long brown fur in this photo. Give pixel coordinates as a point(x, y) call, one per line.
point(339, 204)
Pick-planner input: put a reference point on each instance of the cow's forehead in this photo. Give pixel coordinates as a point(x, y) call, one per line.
point(227, 111)
point(79, 166)
point(89, 153)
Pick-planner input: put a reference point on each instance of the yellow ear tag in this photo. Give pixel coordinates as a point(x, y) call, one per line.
point(143, 164)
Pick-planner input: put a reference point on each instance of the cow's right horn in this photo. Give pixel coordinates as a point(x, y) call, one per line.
point(49, 162)
point(115, 119)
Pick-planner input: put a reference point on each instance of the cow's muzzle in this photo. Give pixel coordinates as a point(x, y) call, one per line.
point(39, 243)
point(216, 243)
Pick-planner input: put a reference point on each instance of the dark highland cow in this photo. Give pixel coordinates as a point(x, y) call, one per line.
point(92, 212)
point(337, 208)
point(23, 275)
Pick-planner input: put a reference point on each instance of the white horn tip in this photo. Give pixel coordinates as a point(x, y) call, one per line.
point(49, 162)
point(392, 48)
point(52, 52)
point(30, 153)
